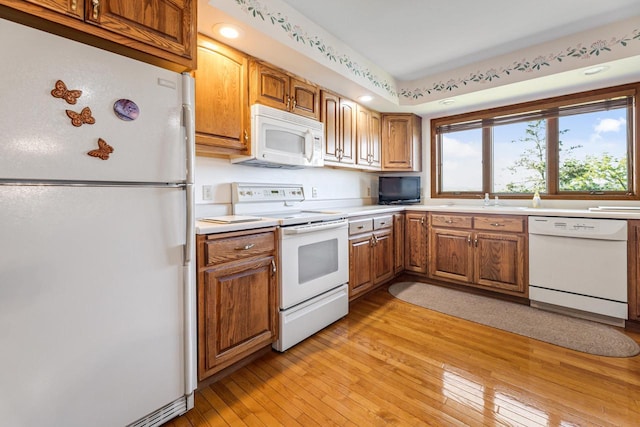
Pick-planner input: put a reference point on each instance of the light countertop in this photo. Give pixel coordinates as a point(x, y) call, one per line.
point(203, 227)
point(350, 212)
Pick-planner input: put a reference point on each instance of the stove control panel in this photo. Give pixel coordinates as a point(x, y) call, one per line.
point(242, 192)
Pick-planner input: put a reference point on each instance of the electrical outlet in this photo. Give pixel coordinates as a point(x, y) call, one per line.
point(207, 192)
point(314, 192)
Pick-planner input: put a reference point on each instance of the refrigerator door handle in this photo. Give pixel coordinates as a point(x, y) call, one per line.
point(190, 143)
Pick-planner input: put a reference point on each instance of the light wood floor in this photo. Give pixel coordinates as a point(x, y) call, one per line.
point(391, 363)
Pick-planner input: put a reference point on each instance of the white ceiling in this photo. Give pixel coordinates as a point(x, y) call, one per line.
point(416, 39)
point(411, 39)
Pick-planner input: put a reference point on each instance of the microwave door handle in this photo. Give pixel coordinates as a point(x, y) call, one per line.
point(308, 145)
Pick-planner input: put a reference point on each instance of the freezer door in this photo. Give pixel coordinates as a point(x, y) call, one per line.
point(92, 314)
point(37, 137)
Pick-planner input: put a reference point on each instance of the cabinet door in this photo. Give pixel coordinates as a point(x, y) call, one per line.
point(363, 136)
point(330, 112)
point(633, 255)
point(398, 245)
point(451, 254)
point(375, 126)
point(74, 8)
point(348, 123)
point(237, 311)
point(383, 262)
point(165, 24)
point(499, 261)
point(415, 255)
point(269, 87)
point(222, 99)
point(305, 99)
point(401, 142)
point(360, 267)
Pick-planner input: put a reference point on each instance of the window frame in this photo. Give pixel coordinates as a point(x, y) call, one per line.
point(545, 105)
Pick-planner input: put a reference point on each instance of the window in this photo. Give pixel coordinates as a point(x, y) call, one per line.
point(576, 146)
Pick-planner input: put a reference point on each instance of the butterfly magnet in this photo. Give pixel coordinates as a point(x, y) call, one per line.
point(60, 91)
point(103, 150)
point(83, 117)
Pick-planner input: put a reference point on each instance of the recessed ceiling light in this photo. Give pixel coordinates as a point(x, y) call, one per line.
point(595, 70)
point(447, 101)
point(227, 31)
point(365, 98)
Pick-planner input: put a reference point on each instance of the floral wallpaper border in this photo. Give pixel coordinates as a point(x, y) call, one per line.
point(257, 10)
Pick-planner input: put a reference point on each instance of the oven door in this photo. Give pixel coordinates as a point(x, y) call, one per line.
point(314, 259)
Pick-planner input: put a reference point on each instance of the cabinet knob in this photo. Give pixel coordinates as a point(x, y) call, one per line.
point(96, 5)
point(422, 221)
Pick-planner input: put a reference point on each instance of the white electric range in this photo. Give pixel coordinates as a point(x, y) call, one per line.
point(314, 258)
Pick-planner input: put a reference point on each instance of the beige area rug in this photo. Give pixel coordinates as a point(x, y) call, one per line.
point(576, 334)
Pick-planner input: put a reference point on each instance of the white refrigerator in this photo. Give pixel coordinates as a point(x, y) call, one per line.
point(97, 292)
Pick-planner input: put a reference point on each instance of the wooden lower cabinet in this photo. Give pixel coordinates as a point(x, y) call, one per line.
point(371, 254)
point(398, 243)
point(237, 297)
point(451, 255)
point(360, 265)
point(461, 251)
point(415, 236)
point(633, 273)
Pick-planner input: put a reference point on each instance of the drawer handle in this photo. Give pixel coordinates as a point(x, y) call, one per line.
point(245, 247)
point(360, 227)
point(382, 223)
point(74, 5)
point(449, 221)
point(273, 267)
point(496, 224)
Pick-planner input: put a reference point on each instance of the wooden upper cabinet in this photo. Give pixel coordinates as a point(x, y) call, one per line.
point(401, 142)
point(278, 89)
point(368, 139)
point(223, 122)
point(339, 118)
point(165, 24)
point(305, 98)
point(162, 32)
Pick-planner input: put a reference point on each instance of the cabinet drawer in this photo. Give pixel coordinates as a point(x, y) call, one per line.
point(501, 223)
point(233, 248)
point(382, 222)
point(360, 226)
point(454, 221)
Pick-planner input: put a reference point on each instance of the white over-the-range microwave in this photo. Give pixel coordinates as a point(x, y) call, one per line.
point(280, 139)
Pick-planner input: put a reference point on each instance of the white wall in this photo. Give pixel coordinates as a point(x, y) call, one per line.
point(335, 187)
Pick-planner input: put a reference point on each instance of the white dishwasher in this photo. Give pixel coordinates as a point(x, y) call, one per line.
point(579, 263)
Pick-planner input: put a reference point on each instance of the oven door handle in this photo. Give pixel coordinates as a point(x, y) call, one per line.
point(314, 228)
